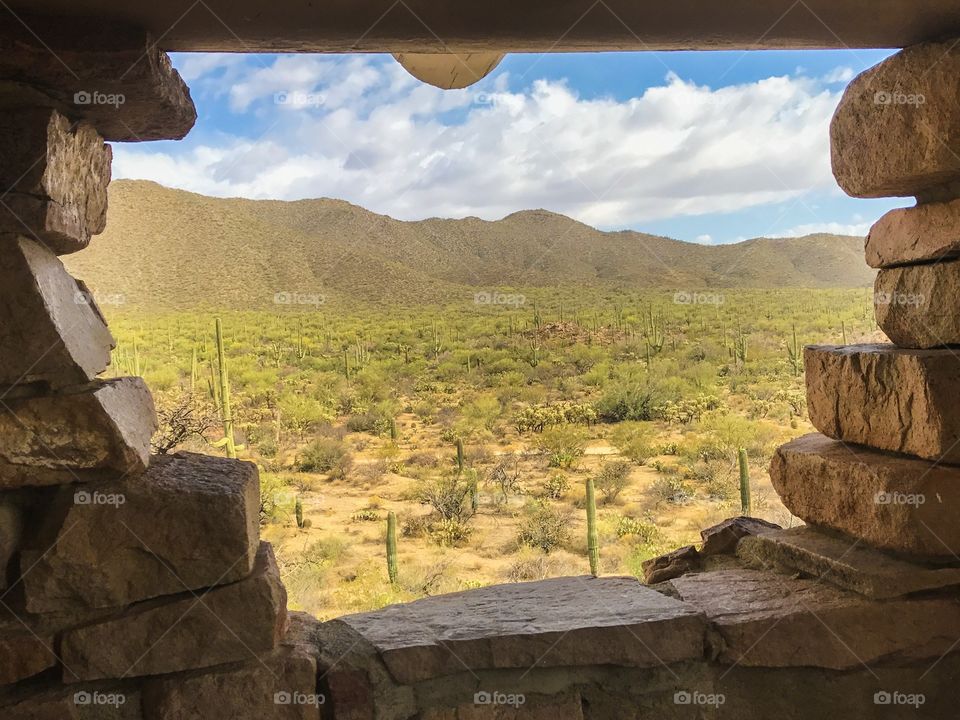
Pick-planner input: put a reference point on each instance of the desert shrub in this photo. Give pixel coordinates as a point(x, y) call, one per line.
point(635, 441)
point(276, 498)
point(544, 526)
point(326, 455)
point(642, 530)
point(504, 477)
point(451, 496)
point(415, 526)
point(179, 420)
point(673, 489)
point(556, 485)
point(612, 479)
point(634, 401)
point(423, 459)
point(563, 444)
point(372, 472)
point(301, 413)
point(687, 410)
point(449, 532)
point(539, 417)
point(530, 564)
point(375, 421)
point(367, 514)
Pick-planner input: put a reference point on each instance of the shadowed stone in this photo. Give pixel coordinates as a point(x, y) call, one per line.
point(890, 501)
point(886, 397)
point(111, 75)
point(770, 620)
point(281, 685)
point(52, 332)
point(54, 176)
point(567, 706)
point(722, 538)
point(191, 521)
point(551, 623)
point(102, 701)
point(896, 131)
point(671, 565)
point(916, 305)
point(23, 651)
point(844, 562)
point(59, 438)
point(230, 623)
point(11, 534)
point(918, 234)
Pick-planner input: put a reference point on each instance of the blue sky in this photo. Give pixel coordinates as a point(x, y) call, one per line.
point(706, 147)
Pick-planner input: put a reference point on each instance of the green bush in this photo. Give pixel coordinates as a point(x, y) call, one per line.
point(544, 527)
point(612, 479)
point(326, 455)
point(563, 444)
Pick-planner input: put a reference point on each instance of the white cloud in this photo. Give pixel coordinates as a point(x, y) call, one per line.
point(704, 239)
point(832, 228)
point(386, 142)
point(838, 75)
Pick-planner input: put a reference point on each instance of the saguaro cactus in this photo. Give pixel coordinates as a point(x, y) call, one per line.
point(225, 413)
point(746, 504)
point(298, 512)
point(793, 353)
point(460, 459)
point(392, 547)
point(593, 544)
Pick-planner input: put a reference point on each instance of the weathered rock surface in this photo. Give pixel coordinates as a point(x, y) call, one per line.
point(671, 565)
point(844, 562)
point(226, 624)
point(558, 622)
point(112, 75)
point(55, 175)
point(47, 335)
point(916, 305)
point(24, 652)
point(892, 502)
point(52, 438)
point(722, 538)
point(896, 131)
point(925, 233)
point(101, 701)
point(190, 522)
point(281, 685)
point(770, 620)
point(566, 706)
point(11, 534)
point(886, 397)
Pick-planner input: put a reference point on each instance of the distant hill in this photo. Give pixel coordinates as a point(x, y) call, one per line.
point(169, 248)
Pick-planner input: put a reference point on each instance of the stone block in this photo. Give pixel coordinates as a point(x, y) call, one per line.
point(722, 538)
point(925, 233)
point(916, 305)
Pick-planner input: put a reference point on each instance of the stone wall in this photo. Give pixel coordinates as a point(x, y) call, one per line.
point(136, 588)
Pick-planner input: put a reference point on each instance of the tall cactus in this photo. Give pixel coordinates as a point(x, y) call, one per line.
point(392, 547)
point(593, 544)
point(460, 458)
point(793, 353)
point(298, 512)
point(746, 504)
point(225, 412)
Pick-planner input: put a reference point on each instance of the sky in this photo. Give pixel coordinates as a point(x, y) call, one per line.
point(708, 147)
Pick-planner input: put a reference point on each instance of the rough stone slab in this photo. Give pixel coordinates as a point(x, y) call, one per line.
point(886, 397)
point(924, 233)
point(891, 502)
point(896, 131)
point(54, 176)
point(230, 623)
point(103, 426)
point(722, 538)
point(844, 562)
point(24, 651)
point(281, 685)
point(671, 565)
point(47, 335)
point(101, 701)
point(769, 620)
point(11, 534)
point(191, 521)
point(916, 305)
point(111, 75)
point(567, 706)
point(551, 623)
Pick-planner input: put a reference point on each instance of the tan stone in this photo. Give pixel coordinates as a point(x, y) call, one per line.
point(769, 620)
point(230, 623)
point(722, 538)
point(281, 685)
point(916, 305)
point(924, 233)
point(843, 562)
point(51, 439)
point(671, 565)
point(112, 75)
point(11, 533)
point(102, 701)
point(24, 651)
point(51, 333)
point(55, 175)
point(566, 706)
point(889, 501)
point(896, 131)
point(191, 521)
point(887, 398)
point(551, 623)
